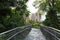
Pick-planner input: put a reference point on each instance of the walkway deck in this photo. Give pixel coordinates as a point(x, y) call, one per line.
point(35, 34)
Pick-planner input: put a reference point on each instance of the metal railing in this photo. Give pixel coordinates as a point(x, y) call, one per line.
point(50, 33)
point(17, 33)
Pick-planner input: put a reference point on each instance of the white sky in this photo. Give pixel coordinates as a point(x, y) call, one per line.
point(32, 9)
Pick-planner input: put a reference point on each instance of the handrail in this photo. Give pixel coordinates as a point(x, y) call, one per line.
point(52, 34)
point(51, 28)
point(52, 31)
point(14, 32)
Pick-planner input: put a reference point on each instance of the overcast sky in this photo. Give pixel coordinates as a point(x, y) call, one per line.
point(32, 9)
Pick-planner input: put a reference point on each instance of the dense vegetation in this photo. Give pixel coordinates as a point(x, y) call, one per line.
point(51, 17)
point(52, 7)
point(35, 24)
point(12, 14)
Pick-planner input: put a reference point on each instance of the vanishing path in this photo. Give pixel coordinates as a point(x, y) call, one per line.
point(35, 34)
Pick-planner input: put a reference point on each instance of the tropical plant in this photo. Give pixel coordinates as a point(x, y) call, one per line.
point(11, 14)
point(52, 7)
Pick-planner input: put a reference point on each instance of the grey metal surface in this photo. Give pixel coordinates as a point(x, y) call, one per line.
point(17, 33)
point(50, 33)
point(35, 34)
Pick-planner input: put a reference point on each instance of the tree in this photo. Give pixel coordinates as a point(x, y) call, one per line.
point(11, 14)
point(52, 7)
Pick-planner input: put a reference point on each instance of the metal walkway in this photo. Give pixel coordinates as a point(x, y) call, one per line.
point(35, 34)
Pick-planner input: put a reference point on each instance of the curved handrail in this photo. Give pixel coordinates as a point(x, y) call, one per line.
point(52, 34)
point(13, 32)
point(51, 28)
point(55, 29)
point(16, 34)
point(52, 31)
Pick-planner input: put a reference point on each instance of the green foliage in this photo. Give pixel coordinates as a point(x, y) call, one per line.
point(34, 23)
point(52, 7)
point(5, 11)
point(27, 13)
point(45, 5)
point(51, 20)
point(2, 28)
point(11, 14)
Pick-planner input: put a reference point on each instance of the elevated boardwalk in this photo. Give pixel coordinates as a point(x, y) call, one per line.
point(35, 34)
point(29, 33)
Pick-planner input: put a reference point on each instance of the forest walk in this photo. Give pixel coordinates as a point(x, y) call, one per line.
point(35, 34)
